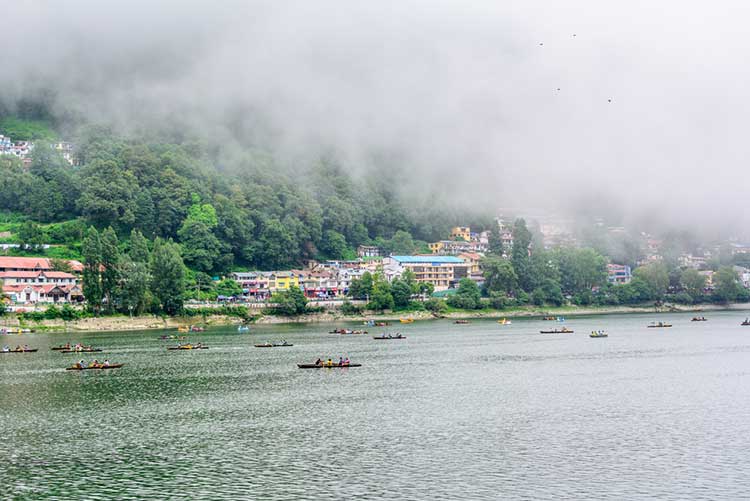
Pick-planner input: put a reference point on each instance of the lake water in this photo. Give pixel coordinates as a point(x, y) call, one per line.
point(479, 411)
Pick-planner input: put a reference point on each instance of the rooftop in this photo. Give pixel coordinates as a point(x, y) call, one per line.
point(428, 259)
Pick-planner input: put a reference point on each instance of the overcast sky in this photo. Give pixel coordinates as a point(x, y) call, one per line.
point(637, 104)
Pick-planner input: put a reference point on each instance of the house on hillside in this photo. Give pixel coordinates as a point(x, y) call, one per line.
point(41, 287)
point(442, 271)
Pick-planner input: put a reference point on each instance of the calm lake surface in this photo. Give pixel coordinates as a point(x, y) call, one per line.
point(479, 411)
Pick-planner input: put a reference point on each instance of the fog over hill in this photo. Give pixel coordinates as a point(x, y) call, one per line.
point(634, 107)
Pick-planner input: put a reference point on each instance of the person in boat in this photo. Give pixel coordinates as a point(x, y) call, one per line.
point(329, 363)
point(346, 361)
point(318, 362)
point(105, 363)
point(6, 348)
point(81, 364)
point(95, 363)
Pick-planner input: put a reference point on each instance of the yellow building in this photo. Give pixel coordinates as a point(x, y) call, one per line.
point(436, 247)
point(472, 259)
point(461, 232)
point(282, 281)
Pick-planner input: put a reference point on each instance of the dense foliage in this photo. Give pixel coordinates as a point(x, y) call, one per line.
point(251, 213)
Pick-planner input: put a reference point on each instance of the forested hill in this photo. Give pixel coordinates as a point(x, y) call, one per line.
point(252, 214)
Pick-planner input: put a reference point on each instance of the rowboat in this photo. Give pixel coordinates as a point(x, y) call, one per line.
point(110, 366)
point(461, 322)
point(406, 320)
point(598, 334)
point(653, 325)
point(504, 321)
point(745, 322)
point(172, 336)
point(273, 345)
point(557, 331)
point(31, 350)
point(389, 337)
point(699, 319)
point(313, 366)
point(87, 350)
point(243, 328)
point(187, 347)
point(183, 328)
point(60, 348)
point(346, 331)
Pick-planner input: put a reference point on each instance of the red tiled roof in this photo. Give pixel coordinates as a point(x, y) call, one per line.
point(33, 263)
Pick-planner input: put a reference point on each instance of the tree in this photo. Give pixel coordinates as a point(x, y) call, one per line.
point(381, 297)
point(167, 276)
point(108, 194)
point(401, 292)
point(132, 294)
point(581, 269)
point(333, 244)
point(361, 288)
point(139, 252)
point(110, 255)
point(30, 236)
point(499, 275)
point(402, 243)
point(727, 286)
point(61, 265)
point(693, 283)
point(290, 302)
point(228, 287)
point(495, 241)
point(200, 247)
point(467, 296)
point(520, 254)
point(91, 248)
point(655, 276)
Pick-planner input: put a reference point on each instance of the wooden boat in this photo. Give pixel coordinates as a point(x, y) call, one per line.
point(83, 350)
point(462, 322)
point(564, 330)
point(598, 334)
point(389, 337)
point(273, 345)
point(658, 326)
point(30, 350)
point(699, 319)
point(187, 347)
point(323, 366)
point(96, 367)
point(406, 320)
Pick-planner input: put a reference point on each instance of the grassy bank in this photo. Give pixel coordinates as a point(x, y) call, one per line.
point(125, 323)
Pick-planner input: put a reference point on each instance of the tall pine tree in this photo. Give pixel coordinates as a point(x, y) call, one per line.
point(91, 248)
point(167, 276)
point(110, 270)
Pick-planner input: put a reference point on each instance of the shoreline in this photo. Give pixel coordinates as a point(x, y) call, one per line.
point(125, 323)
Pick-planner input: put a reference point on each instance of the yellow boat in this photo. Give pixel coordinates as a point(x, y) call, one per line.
point(406, 320)
point(504, 321)
point(183, 328)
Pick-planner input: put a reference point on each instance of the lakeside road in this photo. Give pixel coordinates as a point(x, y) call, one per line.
point(126, 323)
